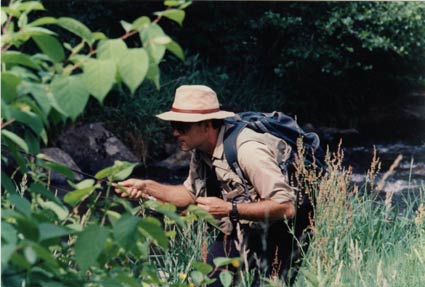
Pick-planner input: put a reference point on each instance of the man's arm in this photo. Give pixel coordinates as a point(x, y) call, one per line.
point(260, 210)
point(175, 194)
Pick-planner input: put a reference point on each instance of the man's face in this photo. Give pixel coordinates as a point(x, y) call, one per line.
point(189, 135)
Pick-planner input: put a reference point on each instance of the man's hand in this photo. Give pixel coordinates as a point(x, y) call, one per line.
point(133, 188)
point(215, 206)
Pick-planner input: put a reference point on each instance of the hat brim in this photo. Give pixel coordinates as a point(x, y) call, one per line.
point(193, 117)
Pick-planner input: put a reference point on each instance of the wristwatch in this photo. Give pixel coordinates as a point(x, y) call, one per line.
point(234, 214)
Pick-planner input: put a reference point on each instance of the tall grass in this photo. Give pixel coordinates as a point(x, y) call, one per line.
point(359, 240)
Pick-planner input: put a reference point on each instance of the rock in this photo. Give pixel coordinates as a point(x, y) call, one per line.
point(178, 160)
point(59, 156)
point(333, 135)
point(93, 147)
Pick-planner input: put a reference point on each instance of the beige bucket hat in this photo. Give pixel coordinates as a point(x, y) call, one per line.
point(195, 103)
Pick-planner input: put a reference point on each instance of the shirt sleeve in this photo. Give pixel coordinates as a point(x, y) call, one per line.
point(259, 164)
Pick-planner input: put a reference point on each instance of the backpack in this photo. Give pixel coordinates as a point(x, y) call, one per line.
point(279, 125)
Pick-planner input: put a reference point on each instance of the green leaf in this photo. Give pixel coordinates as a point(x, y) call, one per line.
point(76, 196)
point(29, 119)
point(40, 189)
point(126, 231)
point(166, 209)
point(154, 74)
point(126, 26)
point(111, 50)
point(176, 15)
point(204, 268)
point(43, 253)
point(71, 94)
point(119, 171)
point(3, 17)
point(29, 6)
point(99, 76)
point(226, 278)
point(16, 139)
point(7, 183)
point(40, 95)
point(77, 28)
point(197, 277)
point(222, 261)
point(43, 21)
point(175, 48)
point(9, 83)
point(60, 211)
point(151, 227)
point(30, 255)
point(89, 245)
point(124, 171)
point(141, 22)
point(85, 183)
point(8, 233)
point(60, 168)
point(13, 57)
point(9, 237)
point(21, 204)
point(133, 68)
point(50, 46)
point(48, 230)
point(147, 36)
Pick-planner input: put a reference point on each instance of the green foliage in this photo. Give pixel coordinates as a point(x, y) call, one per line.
point(56, 81)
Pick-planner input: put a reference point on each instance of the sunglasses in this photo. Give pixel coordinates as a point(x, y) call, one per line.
point(181, 127)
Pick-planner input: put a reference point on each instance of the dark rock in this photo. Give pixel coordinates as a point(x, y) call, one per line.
point(178, 160)
point(93, 147)
point(331, 135)
point(59, 156)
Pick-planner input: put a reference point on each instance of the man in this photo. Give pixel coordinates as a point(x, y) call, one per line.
point(251, 213)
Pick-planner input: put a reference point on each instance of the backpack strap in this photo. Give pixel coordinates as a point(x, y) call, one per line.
point(231, 153)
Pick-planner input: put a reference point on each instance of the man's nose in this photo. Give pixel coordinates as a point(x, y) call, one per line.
point(176, 133)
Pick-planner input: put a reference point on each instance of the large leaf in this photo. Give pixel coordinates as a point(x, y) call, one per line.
point(43, 21)
point(151, 228)
point(149, 37)
point(76, 196)
point(111, 50)
point(21, 204)
point(119, 171)
point(14, 57)
point(99, 76)
point(126, 231)
point(77, 28)
point(60, 168)
point(133, 68)
point(9, 82)
point(28, 118)
point(226, 278)
point(15, 139)
point(89, 245)
point(7, 183)
point(175, 48)
point(71, 94)
point(176, 15)
point(48, 230)
point(40, 189)
point(154, 74)
point(40, 95)
point(50, 46)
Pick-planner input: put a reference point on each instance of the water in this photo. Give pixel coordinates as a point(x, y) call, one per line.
point(405, 180)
